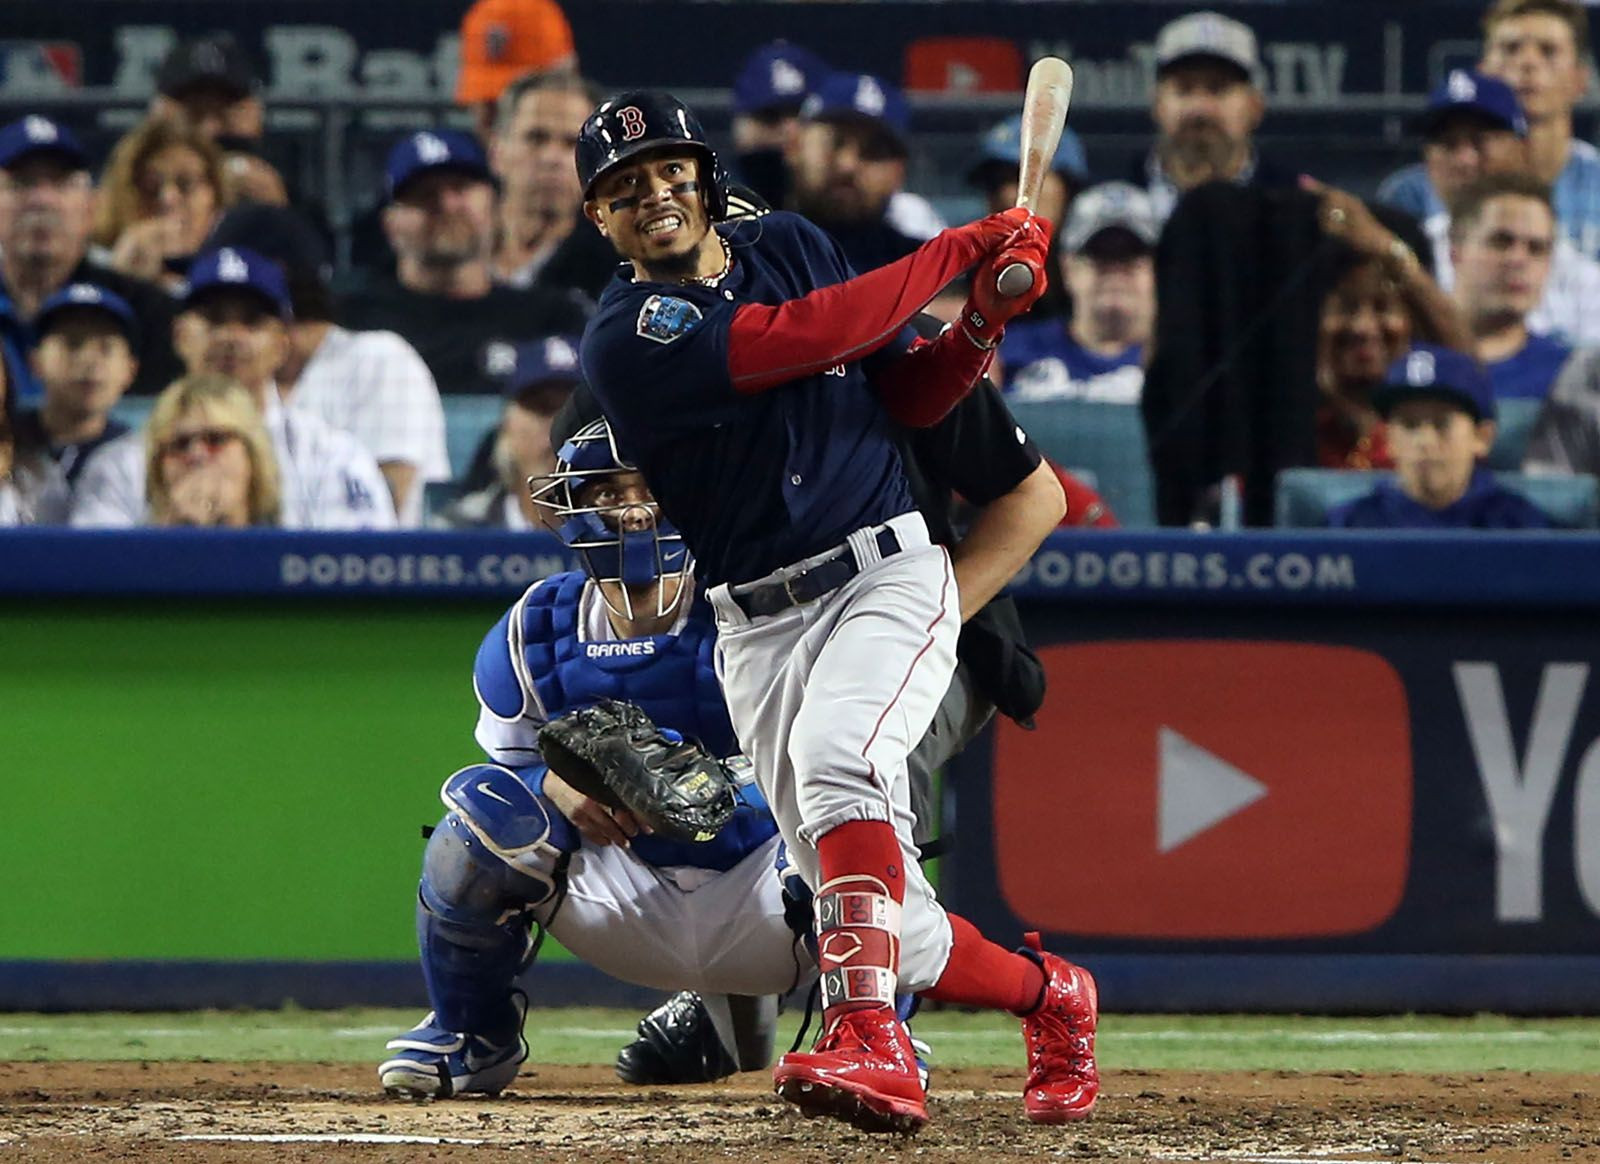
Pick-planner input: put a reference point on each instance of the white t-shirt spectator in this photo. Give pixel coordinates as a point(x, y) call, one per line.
point(328, 480)
point(374, 386)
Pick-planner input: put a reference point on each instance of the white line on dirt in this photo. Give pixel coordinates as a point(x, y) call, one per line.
point(330, 1138)
point(1314, 1159)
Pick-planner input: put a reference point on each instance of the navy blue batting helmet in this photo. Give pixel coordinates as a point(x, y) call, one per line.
point(638, 121)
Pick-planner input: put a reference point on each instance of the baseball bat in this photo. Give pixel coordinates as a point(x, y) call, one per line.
point(1044, 116)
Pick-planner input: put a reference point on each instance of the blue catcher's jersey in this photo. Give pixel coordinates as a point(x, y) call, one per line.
point(551, 654)
point(753, 481)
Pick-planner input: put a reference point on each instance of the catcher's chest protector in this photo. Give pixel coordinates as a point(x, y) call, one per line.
point(671, 677)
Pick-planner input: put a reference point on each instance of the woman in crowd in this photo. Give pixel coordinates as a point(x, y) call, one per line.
point(162, 194)
point(1381, 299)
point(209, 460)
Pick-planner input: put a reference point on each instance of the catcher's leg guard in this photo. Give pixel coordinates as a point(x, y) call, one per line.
point(473, 932)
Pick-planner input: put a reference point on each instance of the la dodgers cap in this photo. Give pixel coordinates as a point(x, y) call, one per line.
point(432, 150)
point(240, 269)
point(860, 97)
point(1468, 91)
point(779, 75)
point(32, 135)
point(552, 360)
point(88, 297)
point(1429, 371)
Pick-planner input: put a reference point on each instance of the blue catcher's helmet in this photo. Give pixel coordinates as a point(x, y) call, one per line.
point(618, 540)
point(638, 121)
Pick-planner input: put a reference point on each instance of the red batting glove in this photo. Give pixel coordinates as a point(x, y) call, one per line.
point(987, 235)
point(987, 312)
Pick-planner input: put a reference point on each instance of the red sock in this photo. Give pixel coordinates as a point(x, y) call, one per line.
point(864, 848)
point(981, 973)
point(858, 938)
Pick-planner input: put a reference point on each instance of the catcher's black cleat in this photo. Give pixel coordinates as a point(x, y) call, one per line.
point(677, 1043)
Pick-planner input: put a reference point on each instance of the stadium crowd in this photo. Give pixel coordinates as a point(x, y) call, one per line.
point(178, 348)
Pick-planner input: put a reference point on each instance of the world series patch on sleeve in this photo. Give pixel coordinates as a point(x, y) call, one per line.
point(664, 318)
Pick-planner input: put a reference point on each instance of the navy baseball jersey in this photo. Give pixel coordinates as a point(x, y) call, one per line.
point(753, 481)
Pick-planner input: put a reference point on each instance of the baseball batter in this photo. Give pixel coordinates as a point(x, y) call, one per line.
point(518, 844)
point(748, 372)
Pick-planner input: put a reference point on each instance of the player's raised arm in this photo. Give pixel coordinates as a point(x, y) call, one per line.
point(653, 186)
point(846, 321)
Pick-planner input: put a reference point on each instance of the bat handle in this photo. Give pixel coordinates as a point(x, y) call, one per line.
point(1014, 279)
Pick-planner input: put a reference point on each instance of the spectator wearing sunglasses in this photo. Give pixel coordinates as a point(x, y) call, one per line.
point(208, 457)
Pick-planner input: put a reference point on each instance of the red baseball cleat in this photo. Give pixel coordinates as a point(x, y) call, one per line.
point(1063, 1081)
point(863, 1070)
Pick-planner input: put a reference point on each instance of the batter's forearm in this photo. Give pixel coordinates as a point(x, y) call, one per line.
point(919, 389)
point(1004, 536)
point(844, 322)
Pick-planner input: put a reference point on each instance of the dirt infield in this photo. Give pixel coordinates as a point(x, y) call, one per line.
point(90, 1112)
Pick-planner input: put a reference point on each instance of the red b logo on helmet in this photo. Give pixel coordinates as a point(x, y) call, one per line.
point(632, 123)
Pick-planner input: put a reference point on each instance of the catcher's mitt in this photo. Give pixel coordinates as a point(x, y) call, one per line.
point(614, 753)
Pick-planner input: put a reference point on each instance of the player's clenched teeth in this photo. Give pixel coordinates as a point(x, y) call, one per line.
point(663, 225)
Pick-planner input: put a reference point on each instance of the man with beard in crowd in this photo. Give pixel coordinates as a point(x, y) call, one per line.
point(440, 222)
point(1207, 107)
point(847, 170)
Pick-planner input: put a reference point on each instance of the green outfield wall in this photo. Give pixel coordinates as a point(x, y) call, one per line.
point(226, 779)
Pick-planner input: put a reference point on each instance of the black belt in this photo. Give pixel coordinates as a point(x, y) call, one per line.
point(810, 585)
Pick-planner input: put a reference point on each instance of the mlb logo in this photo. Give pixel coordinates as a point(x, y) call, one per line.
point(31, 68)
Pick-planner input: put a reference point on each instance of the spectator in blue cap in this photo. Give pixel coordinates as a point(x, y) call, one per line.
point(84, 358)
point(47, 202)
point(1474, 127)
point(440, 220)
point(1108, 261)
point(771, 86)
point(848, 167)
point(371, 384)
point(543, 377)
point(234, 324)
point(1439, 411)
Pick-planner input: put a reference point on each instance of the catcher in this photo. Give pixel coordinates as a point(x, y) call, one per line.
point(665, 876)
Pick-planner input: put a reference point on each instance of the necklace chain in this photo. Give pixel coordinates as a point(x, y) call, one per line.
point(727, 265)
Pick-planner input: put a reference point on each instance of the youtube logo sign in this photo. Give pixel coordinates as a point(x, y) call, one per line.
point(1222, 789)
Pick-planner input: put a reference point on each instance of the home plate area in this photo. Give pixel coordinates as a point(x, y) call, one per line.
point(195, 1112)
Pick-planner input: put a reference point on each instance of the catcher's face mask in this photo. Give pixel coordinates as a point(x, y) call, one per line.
point(607, 514)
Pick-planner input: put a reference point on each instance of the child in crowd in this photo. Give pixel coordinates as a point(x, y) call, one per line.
point(85, 359)
point(1438, 408)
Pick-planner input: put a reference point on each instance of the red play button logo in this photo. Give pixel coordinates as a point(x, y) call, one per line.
point(1211, 789)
